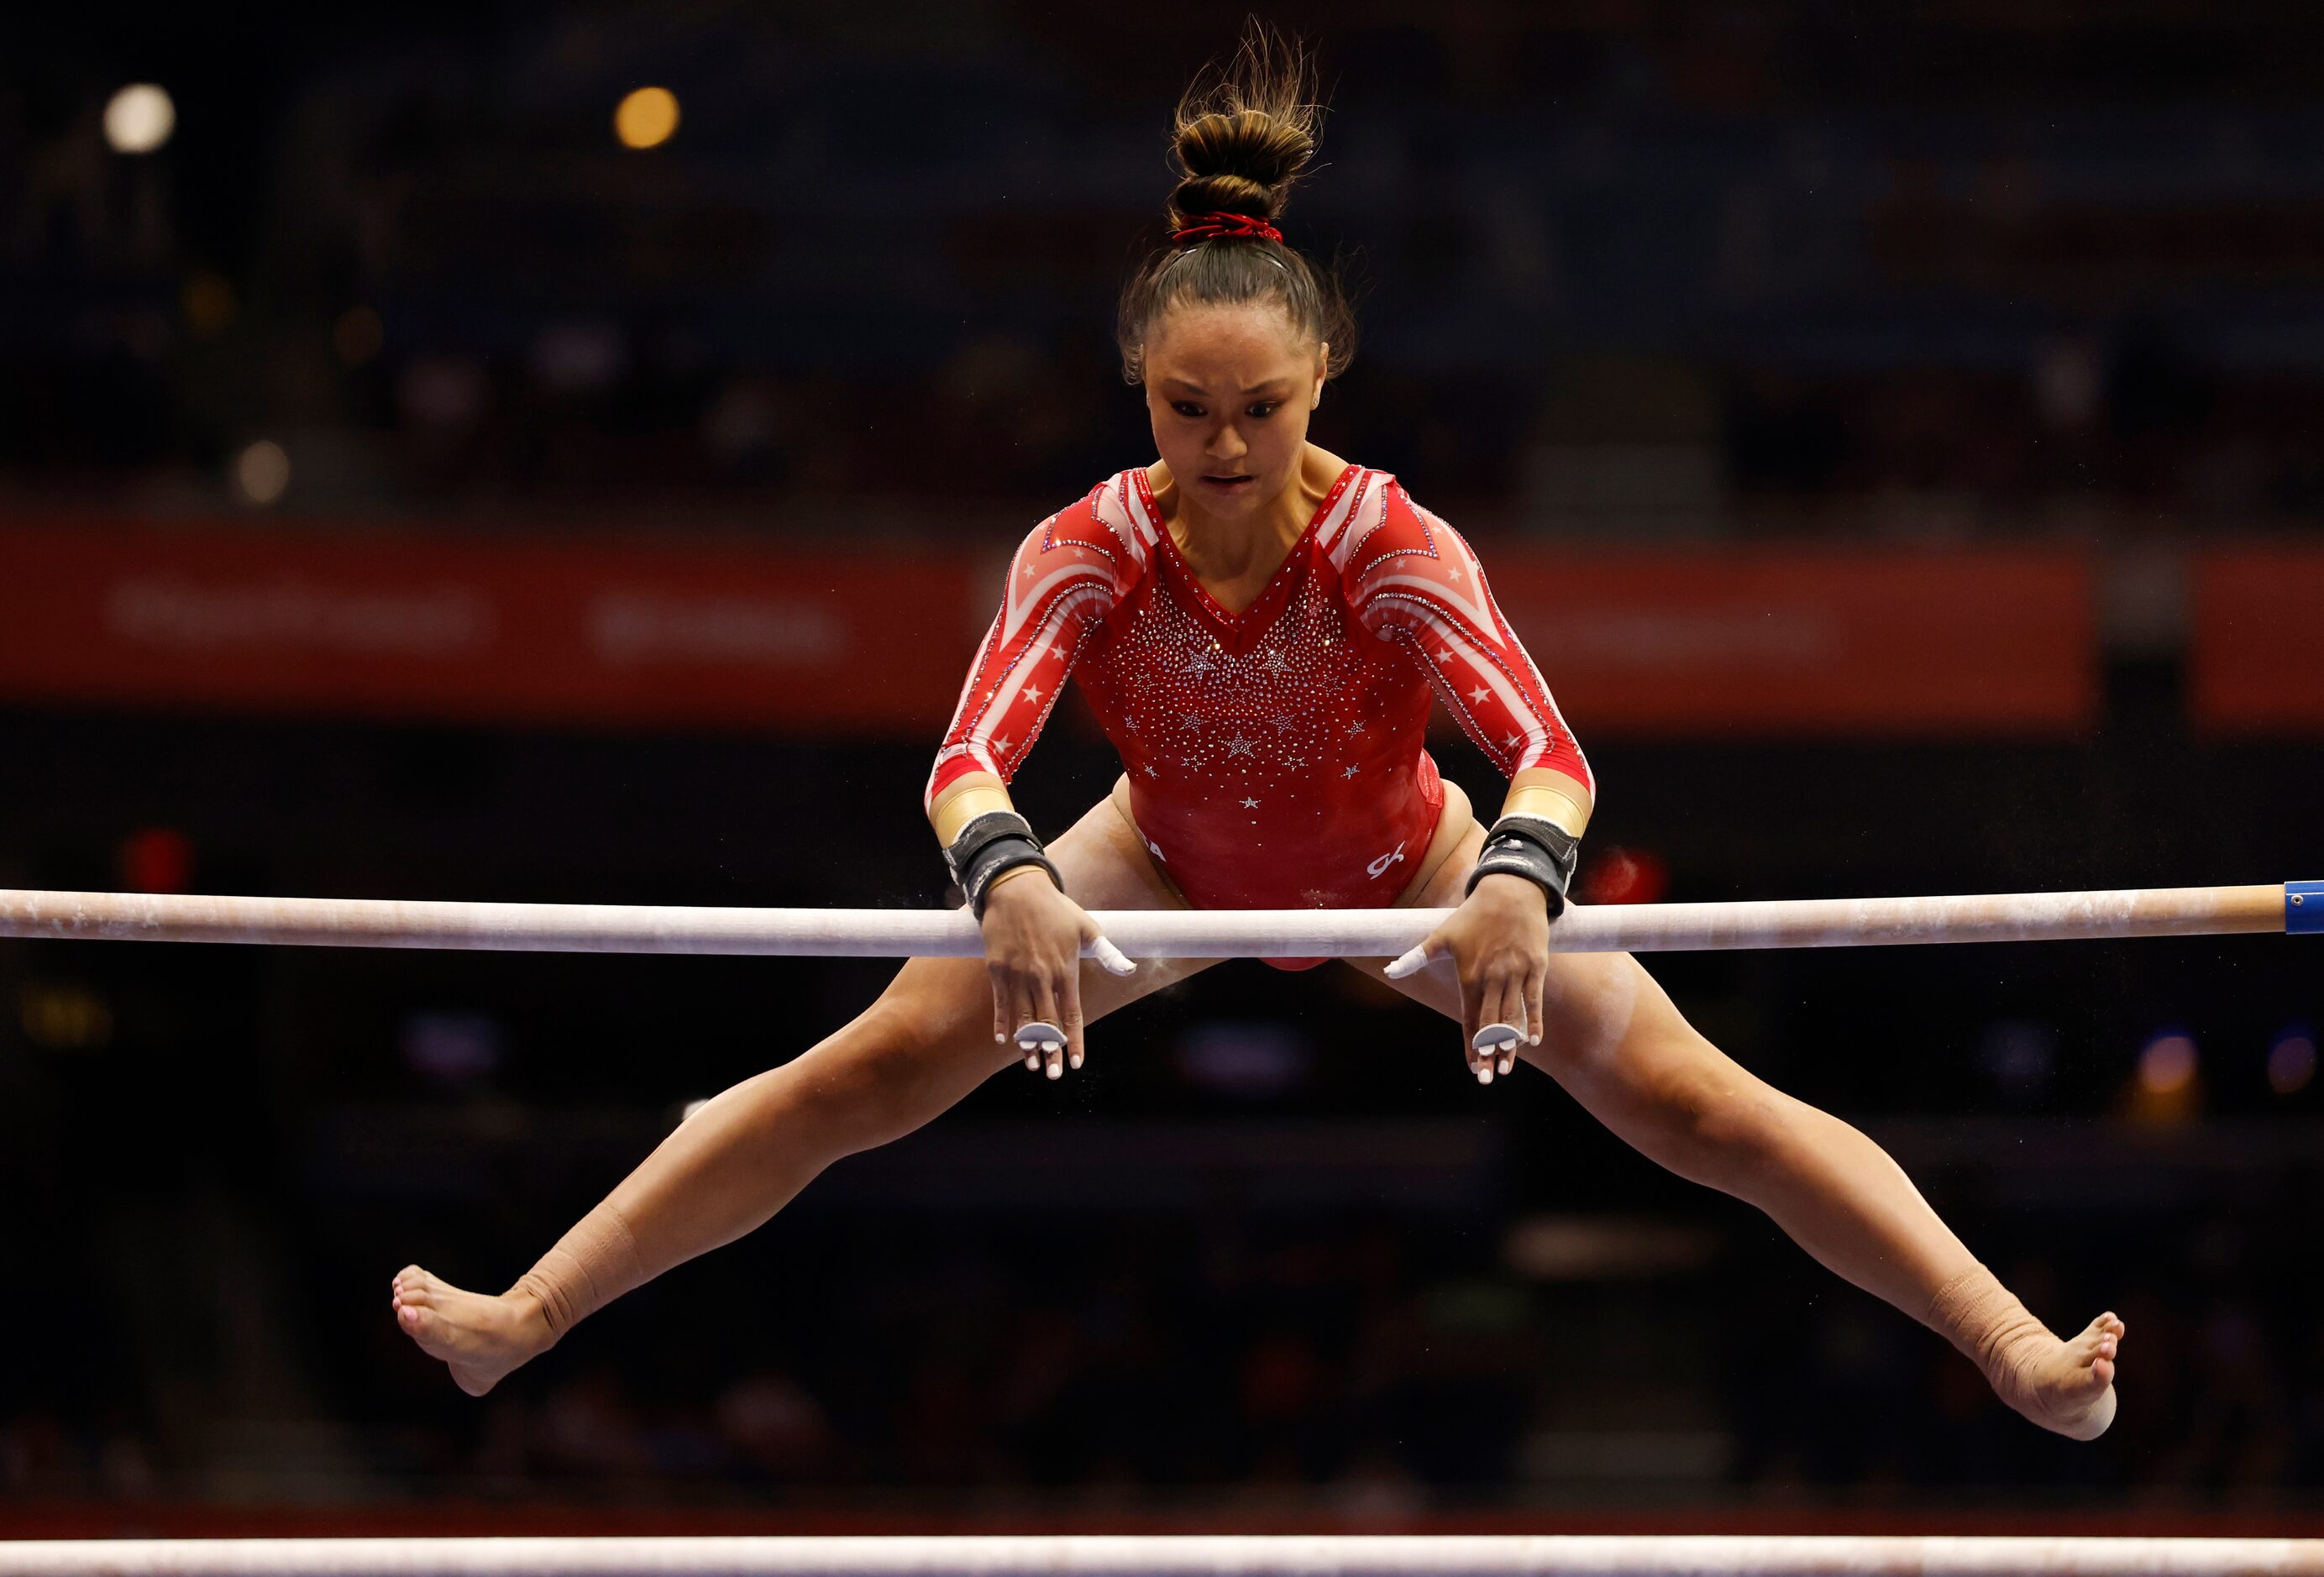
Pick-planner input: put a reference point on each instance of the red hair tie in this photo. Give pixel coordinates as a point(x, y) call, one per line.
point(1201, 227)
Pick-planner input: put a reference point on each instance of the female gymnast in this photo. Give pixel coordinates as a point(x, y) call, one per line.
point(1260, 626)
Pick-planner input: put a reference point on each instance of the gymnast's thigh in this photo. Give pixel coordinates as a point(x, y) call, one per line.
point(1106, 866)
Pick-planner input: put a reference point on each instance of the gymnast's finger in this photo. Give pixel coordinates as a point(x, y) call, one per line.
point(1430, 950)
point(1004, 1017)
point(1472, 1020)
point(1069, 1007)
point(1501, 1005)
point(1536, 992)
point(1108, 957)
point(1016, 1010)
point(1043, 1005)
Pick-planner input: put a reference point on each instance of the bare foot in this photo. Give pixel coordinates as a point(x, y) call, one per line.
point(481, 1339)
point(2071, 1389)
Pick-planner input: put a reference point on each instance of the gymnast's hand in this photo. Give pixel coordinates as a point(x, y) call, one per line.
point(1498, 942)
point(1033, 940)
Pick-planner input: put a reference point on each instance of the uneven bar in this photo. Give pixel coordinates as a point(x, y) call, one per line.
point(1329, 1556)
point(828, 933)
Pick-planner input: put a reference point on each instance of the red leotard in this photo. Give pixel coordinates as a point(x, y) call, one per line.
point(1275, 756)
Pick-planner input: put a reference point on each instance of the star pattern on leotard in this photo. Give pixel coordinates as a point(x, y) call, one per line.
point(1318, 731)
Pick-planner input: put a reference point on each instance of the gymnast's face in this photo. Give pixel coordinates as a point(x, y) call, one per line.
point(1229, 388)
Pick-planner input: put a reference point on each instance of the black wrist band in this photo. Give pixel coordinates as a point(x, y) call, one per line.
point(1533, 847)
point(997, 840)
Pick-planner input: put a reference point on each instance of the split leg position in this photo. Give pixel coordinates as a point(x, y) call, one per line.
point(1598, 1023)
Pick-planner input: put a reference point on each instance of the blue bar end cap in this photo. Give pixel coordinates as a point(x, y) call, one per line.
point(2304, 909)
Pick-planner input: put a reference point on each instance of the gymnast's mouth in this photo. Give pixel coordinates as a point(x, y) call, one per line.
point(1230, 482)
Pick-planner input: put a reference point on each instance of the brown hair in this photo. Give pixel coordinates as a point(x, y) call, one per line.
point(1241, 135)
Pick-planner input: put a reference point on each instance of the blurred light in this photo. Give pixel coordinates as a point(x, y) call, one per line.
point(65, 1017)
point(446, 392)
point(686, 1114)
point(357, 336)
point(139, 118)
point(646, 118)
point(2291, 1060)
point(1251, 1060)
point(2019, 1055)
point(2069, 383)
point(742, 419)
point(455, 1049)
point(155, 859)
point(1620, 875)
point(1595, 1248)
point(579, 358)
point(262, 472)
point(207, 302)
point(2167, 1066)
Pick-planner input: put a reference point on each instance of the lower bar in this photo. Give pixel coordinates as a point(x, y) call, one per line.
point(1545, 1555)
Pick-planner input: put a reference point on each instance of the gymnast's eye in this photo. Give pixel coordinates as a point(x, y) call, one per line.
point(1264, 408)
point(1187, 409)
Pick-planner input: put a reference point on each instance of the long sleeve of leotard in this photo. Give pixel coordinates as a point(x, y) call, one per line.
point(1065, 578)
point(1412, 577)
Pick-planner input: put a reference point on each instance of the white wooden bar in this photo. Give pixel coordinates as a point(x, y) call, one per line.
point(555, 927)
point(1518, 1556)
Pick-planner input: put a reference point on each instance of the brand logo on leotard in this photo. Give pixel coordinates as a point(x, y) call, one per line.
point(1156, 850)
point(1384, 862)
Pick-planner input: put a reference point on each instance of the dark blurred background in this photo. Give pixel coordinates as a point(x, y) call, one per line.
point(1894, 427)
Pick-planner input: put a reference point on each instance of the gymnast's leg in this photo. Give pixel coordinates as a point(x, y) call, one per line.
point(922, 1046)
point(1613, 1038)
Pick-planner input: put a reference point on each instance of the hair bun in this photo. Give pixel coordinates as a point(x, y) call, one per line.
point(1242, 134)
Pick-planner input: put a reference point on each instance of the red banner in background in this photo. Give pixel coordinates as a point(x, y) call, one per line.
point(576, 631)
point(2255, 663)
point(1805, 641)
point(527, 631)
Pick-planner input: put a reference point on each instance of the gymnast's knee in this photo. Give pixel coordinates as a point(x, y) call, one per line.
point(1728, 1125)
point(908, 1044)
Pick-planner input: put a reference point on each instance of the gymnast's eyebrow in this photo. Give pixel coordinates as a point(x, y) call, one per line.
point(1198, 389)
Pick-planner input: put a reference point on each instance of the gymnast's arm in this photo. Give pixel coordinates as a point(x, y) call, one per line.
point(1033, 933)
point(1414, 577)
